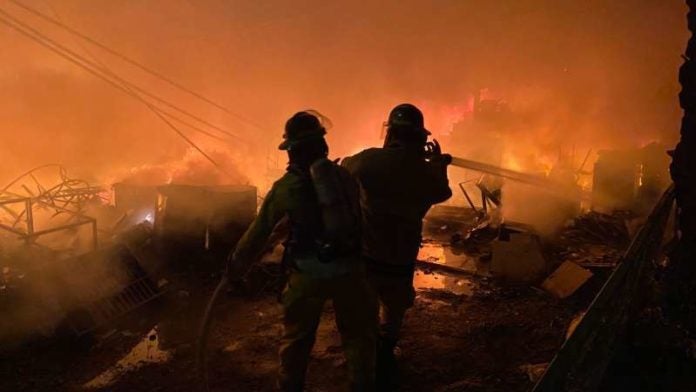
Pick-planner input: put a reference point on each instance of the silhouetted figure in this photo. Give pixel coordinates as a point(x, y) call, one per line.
point(320, 200)
point(398, 184)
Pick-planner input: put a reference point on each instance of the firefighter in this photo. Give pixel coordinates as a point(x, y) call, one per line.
point(320, 200)
point(398, 184)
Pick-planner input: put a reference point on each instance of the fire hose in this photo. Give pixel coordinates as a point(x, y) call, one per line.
point(206, 322)
point(204, 332)
point(433, 149)
point(525, 178)
point(535, 180)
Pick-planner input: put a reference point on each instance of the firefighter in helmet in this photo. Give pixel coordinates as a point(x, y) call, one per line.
point(398, 184)
point(320, 200)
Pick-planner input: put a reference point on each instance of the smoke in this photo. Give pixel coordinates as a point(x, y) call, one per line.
point(38, 294)
point(191, 169)
point(592, 73)
point(576, 74)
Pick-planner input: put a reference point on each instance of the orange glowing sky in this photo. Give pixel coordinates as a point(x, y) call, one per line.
point(594, 72)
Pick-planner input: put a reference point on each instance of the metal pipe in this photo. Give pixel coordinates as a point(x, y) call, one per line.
point(30, 217)
point(525, 178)
point(95, 235)
point(466, 194)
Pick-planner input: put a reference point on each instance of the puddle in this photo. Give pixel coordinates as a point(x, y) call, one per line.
point(455, 284)
point(432, 252)
point(443, 254)
point(145, 352)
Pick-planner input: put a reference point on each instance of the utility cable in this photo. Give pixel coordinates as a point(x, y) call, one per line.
point(164, 101)
point(78, 60)
point(105, 69)
point(134, 63)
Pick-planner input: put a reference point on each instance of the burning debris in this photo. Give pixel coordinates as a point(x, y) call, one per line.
point(52, 282)
point(594, 240)
point(157, 244)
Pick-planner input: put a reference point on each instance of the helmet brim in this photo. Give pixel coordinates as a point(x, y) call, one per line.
point(288, 143)
point(406, 124)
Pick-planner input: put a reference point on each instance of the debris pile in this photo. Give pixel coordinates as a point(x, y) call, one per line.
point(594, 240)
point(82, 263)
point(482, 287)
point(517, 256)
point(594, 227)
point(50, 217)
point(563, 282)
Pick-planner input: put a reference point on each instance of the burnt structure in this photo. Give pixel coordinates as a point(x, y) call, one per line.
point(683, 166)
point(64, 204)
point(203, 217)
point(630, 179)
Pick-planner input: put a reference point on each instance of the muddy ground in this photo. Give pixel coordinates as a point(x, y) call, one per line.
point(481, 342)
point(466, 332)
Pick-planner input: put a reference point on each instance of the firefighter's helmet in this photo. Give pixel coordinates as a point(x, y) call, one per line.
point(303, 126)
point(408, 116)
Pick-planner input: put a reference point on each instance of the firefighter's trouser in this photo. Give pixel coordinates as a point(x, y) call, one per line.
point(396, 295)
point(355, 308)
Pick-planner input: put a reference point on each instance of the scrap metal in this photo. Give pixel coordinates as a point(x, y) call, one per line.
point(582, 360)
point(68, 197)
point(115, 296)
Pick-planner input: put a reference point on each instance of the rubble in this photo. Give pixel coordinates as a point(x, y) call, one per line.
point(566, 280)
point(210, 217)
point(597, 228)
point(517, 257)
point(593, 240)
point(534, 371)
point(582, 362)
point(463, 297)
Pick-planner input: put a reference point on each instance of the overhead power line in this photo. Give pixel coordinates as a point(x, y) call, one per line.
point(155, 96)
point(134, 63)
point(158, 98)
point(104, 68)
point(81, 62)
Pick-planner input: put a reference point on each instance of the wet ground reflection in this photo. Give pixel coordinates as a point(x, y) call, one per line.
point(145, 352)
point(439, 253)
point(456, 283)
point(435, 280)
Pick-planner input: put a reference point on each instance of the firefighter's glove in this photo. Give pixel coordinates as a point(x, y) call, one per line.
point(434, 153)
